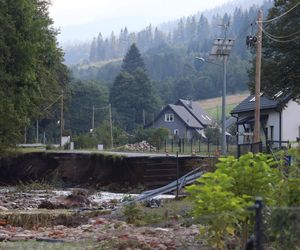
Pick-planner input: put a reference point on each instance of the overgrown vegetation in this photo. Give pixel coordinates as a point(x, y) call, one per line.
point(32, 75)
point(221, 198)
point(170, 211)
point(34, 185)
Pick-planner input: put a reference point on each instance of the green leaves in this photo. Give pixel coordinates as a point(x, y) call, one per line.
point(281, 50)
point(222, 197)
point(31, 70)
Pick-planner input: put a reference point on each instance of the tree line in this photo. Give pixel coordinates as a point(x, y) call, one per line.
point(170, 57)
point(33, 76)
point(196, 33)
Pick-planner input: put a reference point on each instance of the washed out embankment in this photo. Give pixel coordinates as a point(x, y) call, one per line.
point(97, 170)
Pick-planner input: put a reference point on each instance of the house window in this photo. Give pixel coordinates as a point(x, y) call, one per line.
point(176, 131)
point(169, 117)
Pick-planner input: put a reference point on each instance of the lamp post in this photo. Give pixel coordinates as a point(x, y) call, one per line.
point(223, 141)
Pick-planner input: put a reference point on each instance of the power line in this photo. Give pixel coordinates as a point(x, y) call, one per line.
point(245, 29)
point(277, 38)
point(285, 13)
point(90, 108)
point(281, 41)
point(285, 36)
point(52, 103)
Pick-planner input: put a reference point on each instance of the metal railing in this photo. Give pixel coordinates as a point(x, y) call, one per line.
point(249, 147)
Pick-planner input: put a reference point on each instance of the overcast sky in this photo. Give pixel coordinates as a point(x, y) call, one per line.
point(74, 12)
point(135, 14)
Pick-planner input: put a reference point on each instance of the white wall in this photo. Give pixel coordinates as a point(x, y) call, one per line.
point(291, 121)
point(273, 120)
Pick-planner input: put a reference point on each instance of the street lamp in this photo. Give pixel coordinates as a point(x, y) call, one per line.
point(223, 141)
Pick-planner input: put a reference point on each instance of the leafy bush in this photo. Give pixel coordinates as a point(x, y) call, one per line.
point(283, 220)
point(132, 213)
point(155, 136)
point(213, 134)
point(85, 141)
point(221, 198)
point(103, 135)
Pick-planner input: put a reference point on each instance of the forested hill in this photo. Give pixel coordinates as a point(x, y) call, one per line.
point(78, 52)
point(169, 57)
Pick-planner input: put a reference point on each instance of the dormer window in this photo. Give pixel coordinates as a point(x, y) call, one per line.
point(253, 98)
point(169, 117)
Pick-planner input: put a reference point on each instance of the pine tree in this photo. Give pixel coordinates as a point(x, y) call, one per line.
point(133, 60)
point(281, 50)
point(100, 48)
point(122, 98)
point(132, 91)
point(93, 51)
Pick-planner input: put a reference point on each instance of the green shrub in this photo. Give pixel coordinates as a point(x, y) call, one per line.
point(85, 141)
point(221, 198)
point(155, 136)
point(133, 213)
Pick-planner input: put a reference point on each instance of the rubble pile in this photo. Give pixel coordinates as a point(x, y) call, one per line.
point(108, 231)
point(142, 146)
point(87, 218)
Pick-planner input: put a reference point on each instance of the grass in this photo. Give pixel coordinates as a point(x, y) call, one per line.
point(28, 219)
point(216, 112)
point(33, 185)
point(35, 245)
point(172, 210)
point(213, 106)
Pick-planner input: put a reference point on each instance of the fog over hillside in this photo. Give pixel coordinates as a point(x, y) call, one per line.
point(220, 10)
point(71, 35)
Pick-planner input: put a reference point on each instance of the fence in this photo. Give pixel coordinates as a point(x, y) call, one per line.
point(277, 145)
point(249, 147)
point(275, 228)
point(270, 147)
point(190, 146)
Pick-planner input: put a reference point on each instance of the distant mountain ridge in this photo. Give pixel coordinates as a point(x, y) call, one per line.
point(78, 52)
point(170, 56)
point(219, 10)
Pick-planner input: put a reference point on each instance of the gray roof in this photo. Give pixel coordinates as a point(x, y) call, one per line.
point(265, 103)
point(196, 111)
point(185, 116)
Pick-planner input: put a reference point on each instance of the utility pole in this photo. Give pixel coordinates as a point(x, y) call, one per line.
point(37, 131)
point(61, 118)
point(221, 49)
point(44, 137)
point(93, 119)
point(224, 151)
point(25, 134)
point(258, 79)
point(111, 128)
point(144, 117)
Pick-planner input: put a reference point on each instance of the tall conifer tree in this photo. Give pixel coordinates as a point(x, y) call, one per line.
point(132, 94)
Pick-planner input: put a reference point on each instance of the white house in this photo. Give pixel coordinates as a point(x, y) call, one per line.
point(279, 117)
